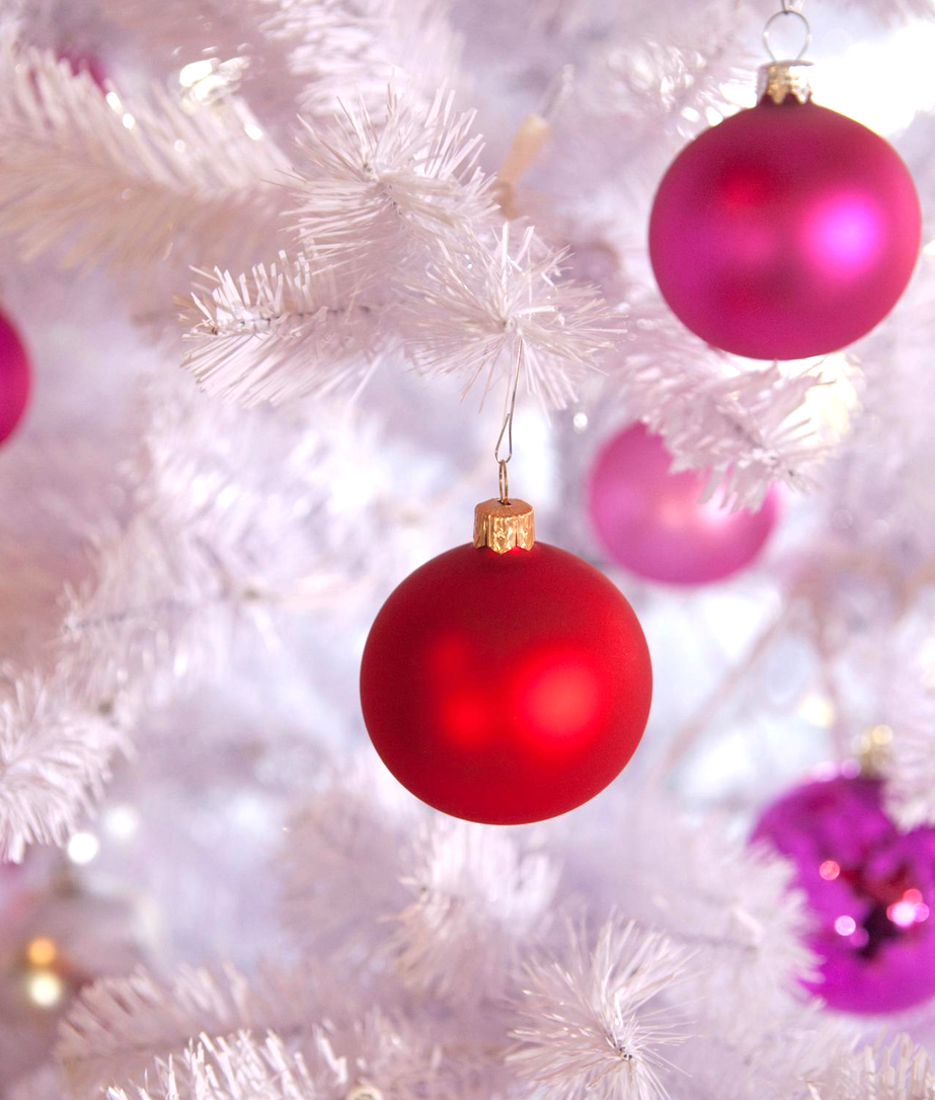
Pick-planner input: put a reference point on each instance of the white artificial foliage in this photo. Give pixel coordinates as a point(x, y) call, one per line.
point(283, 332)
point(335, 45)
point(55, 754)
point(480, 900)
point(500, 306)
point(237, 552)
point(119, 1026)
point(122, 183)
point(750, 427)
point(367, 190)
point(898, 1070)
point(599, 1022)
point(235, 1068)
point(735, 907)
point(341, 863)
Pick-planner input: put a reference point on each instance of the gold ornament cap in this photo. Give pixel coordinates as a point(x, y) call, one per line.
point(780, 79)
point(503, 524)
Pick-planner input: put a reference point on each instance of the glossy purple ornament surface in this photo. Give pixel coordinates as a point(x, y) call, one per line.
point(870, 888)
point(14, 378)
point(651, 522)
point(785, 231)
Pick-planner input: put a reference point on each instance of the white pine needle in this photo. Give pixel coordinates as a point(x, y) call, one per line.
point(478, 311)
point(364, 44)
point(366, 190)
point(55, 754)
point(480, 899)
point(588, 1028)
point(275, 334)
point(125, 183)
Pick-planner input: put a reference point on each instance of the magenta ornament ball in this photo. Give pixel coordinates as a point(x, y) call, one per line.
point(15, 377)
point(785, 231)
point(869, 888)
point(651, 521)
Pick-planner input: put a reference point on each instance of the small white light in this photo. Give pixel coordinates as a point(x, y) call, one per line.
point(128, 120)
point(197, 70)
point(113, 101)
point(252, 131)
point(580, 421)
point(121, 822)
point(44, 988)
point(83, 847)
point(845, 925)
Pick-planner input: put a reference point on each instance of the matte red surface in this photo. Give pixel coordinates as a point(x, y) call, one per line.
point(506, 688)
point(785, 231)
point(651, 521)
point(14, 378)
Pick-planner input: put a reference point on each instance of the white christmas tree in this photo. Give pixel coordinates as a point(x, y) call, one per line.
point(281, 268)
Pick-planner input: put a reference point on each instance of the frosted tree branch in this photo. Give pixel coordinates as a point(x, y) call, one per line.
point(55, 753)
point(280, 333)
point(478, 312)
point(124, 183)
point(593, 1023)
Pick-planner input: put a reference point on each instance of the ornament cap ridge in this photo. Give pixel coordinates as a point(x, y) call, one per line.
point(503, 524)
point(780, 79)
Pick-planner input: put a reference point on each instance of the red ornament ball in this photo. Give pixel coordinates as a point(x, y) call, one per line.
point(506, 687)
point(786, 231)
point(14, 378)
point(653, 522)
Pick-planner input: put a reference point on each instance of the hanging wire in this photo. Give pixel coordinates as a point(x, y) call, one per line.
point(785, 10)
point(506, 428)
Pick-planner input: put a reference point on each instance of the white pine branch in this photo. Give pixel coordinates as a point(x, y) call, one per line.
point(587, 1022)
point(748, 426)
point(55, 755)
point(126, 183)
point(479, 310)
point(899, 1071)
point(480, 899)
point(342, 860)
point(367, 190)
point(280, 333)
point(365, 44)
point(119, 1026)
point(730, 903)
point(236, 1068)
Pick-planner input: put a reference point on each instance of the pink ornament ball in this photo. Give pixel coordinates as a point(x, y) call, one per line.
point(651, 521)
point(785, 231)
point(14, 379)
point(870, 889)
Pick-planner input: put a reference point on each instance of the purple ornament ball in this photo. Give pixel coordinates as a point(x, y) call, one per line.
point(651, 521)
point(785, 231)
point(15, 378)
point(869, 888)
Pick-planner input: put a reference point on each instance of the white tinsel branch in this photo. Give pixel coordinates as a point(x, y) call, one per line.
point(750, 426)
point(500, 305)
point(364, 44)
point(592, 1022)
point(367, 190)
point(283, 332)
point(55, 754)
point(125, 182)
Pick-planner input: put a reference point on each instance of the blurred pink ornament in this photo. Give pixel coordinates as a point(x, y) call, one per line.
point(870, 888)
point(785, 231)
point(80, 63)
point(651, 521)
point(14, 378)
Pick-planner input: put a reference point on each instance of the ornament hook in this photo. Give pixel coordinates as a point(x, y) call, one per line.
point(506, 429)
point(806, 26)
